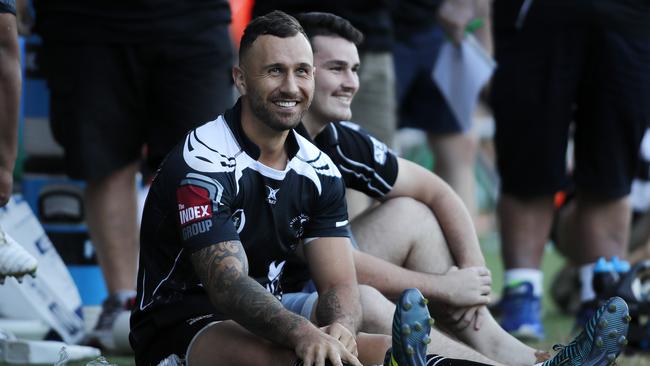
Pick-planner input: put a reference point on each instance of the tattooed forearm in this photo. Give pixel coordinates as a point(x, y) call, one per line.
point(333, 307)
point(223, 270)
point(220, 265)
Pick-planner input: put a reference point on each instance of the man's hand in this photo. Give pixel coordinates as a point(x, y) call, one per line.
point(314, 348)
point(461, 318)
point(343, 335)
point(453, 16)
point(6, 180)
point(466, 287)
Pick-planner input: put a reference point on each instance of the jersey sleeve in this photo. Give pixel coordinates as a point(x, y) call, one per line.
point(366, 164)
point(329, 217)
point(204, 210)
point(8, 6)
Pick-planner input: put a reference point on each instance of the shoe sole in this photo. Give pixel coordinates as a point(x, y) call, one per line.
point(611, 333)
point(411, 327)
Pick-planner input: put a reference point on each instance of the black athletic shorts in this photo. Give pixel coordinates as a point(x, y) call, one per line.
point(560, 63)
point(108, 100)
point(156, 344)
point(421, 105)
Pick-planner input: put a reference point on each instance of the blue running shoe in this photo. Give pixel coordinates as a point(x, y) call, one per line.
point(521, 312)
point(601, 341)
point(411, 327)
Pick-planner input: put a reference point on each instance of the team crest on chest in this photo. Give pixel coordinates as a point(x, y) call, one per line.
point(271, 195)
point(297, 225)
point(239, 220)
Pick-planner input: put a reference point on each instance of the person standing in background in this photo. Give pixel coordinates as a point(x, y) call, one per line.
point(14, 259)
point(123, 75)
point(564, 63)
point(421, 28)
point(10, 84)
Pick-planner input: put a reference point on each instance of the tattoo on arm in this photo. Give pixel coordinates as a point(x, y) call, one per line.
point(223, 270)
point(330, 310)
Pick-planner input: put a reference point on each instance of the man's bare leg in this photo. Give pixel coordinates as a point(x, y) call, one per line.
point(111, 214)
point(602, 229)
point(405, 232)
point(455, 155)
point(218, 344)
point(524, 227)
point(378, 318)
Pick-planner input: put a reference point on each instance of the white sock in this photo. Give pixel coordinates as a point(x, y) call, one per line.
point(587, 292)
point(532, 275)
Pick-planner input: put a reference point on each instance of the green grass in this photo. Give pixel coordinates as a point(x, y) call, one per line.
point(557, 325)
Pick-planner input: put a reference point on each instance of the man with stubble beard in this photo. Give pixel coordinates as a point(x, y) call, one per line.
point(228, 205)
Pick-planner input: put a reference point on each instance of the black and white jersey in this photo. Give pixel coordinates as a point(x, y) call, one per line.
point(366, 164)
point(211, 189)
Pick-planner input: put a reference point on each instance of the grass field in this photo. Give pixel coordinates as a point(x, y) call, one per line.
point(557, 325)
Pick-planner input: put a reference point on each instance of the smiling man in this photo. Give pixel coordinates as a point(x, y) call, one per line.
point(420, 231)
point(207, 286)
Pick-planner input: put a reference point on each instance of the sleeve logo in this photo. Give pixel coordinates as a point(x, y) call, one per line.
point(380, 150)
point(198, 197)
point(193, 204)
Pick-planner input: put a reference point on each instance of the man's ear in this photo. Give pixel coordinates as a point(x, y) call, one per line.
point(239, 80)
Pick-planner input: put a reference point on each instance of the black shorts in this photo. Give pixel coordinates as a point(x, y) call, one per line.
point(108, 100)
point(420, 103)
point(160, 343)
point(554, 71)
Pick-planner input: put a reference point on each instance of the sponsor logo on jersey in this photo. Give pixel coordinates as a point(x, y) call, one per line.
point(196, 229)
point(198, 318)
point(297, 225)
point(194, 204)
point(198, 198)
point(271, 195)
point(380, 150)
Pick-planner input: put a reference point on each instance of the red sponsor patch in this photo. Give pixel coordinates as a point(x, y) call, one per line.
point(194, 204)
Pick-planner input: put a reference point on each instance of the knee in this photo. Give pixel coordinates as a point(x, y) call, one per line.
point(377, 311)
point(425, 227)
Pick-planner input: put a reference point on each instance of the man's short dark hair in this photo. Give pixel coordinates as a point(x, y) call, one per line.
point(275, 23)
point(327, 24)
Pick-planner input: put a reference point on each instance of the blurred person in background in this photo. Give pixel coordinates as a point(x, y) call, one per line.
point(123, 75)
point(14, 259)
point(562, 63)
point(421, 28)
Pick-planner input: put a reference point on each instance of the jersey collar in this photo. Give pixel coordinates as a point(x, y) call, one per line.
point(233, 119)
point(327, 137)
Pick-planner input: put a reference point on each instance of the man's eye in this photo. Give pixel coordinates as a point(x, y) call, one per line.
point(336, 68)
point(275, 70)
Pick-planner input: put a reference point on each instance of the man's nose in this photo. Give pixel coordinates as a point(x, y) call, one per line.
point(290, 84)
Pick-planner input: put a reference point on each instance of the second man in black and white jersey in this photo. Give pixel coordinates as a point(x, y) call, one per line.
point(419, 235)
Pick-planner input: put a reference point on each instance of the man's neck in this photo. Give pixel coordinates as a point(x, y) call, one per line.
point(270, 142)
point(313, 125)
